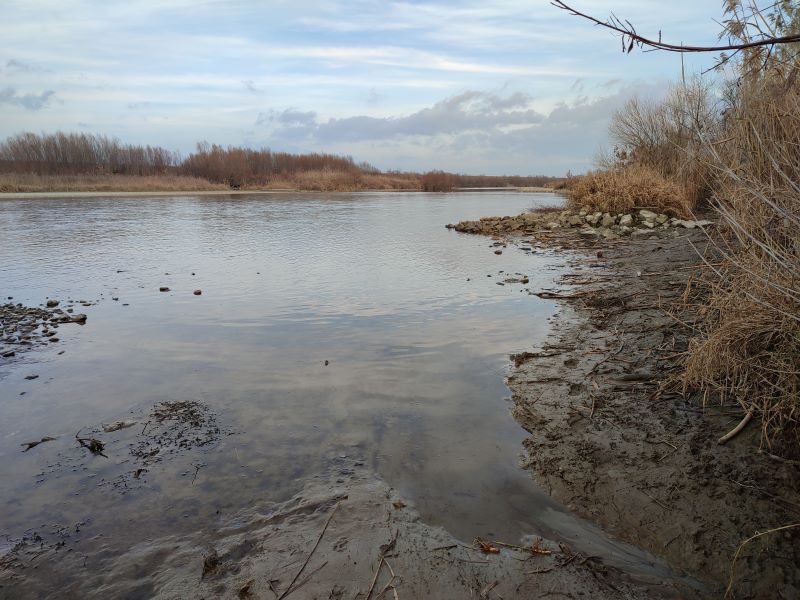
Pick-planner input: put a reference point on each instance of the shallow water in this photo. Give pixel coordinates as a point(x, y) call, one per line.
point(416, 335)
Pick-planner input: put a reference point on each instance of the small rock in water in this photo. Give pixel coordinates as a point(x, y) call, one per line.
point(52, 303)
point(498, 251)
point(326, 363)
point(197, 292)
point(163, 288)
point(31, 377)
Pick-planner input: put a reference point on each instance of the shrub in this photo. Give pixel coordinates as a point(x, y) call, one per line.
point(438, 181)
point(624, 188)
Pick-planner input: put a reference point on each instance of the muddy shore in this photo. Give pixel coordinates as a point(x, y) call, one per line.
point(616, 442)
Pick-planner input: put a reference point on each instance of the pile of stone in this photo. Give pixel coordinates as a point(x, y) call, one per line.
point(25, 327)
point(591, 224)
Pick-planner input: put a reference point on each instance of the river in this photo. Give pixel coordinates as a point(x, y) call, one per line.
point(329, 326)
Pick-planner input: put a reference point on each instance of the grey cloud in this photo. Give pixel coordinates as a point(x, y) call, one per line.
point(374, 97)
point(250, 85)
point(474, 131)
point(577, 85)
point(469, 111)
point(287, 118)
point(30, 101)
point(18, 65)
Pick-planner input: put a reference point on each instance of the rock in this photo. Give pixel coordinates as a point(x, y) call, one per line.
point(553, 225)
point(648, 224)
point(197, 292)
point(163, 289)
point(31, 377)
point(574, 220)
point(661, 219)
point(626, 220)
point(588, 232)
point(608, 220)
point(498, 251)
point(647, 215)
point(52, 303)
point(593, 219)
point(79, 318)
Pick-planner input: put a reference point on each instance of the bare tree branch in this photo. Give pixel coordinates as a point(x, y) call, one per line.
point(630, 38)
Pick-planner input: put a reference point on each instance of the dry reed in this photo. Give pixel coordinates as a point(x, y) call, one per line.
point(623, 188)
point(748, 348)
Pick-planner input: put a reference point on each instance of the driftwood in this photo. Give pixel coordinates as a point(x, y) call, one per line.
point(736, 430)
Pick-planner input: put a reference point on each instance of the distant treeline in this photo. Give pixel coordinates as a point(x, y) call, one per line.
point(89, 154)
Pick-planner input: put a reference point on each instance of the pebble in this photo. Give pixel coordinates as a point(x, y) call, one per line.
point(163, 289)
point(197, 292)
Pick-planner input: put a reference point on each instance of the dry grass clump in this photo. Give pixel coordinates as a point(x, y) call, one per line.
point(32, 182)
point(748, 350)
point(624, 188)
point(749, 354)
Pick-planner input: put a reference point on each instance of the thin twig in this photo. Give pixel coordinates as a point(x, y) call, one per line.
point(729, 589)
point(288, 590)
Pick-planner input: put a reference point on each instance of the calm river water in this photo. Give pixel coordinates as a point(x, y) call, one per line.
point(416, 334)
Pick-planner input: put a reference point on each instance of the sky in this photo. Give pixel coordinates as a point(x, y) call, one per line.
point(484, 86)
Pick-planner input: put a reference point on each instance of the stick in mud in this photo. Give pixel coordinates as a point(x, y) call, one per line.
point(289, 589)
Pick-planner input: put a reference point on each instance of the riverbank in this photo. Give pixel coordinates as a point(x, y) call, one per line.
point(614, 438)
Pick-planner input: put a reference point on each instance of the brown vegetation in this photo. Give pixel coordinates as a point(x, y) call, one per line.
point(748, 350)
point(32, 182)
point(438, 181)
point(81, 154)
point(86, 162)
point(741, 156)
point(622, 189)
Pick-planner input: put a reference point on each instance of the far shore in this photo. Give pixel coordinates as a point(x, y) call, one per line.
point(154, 193)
